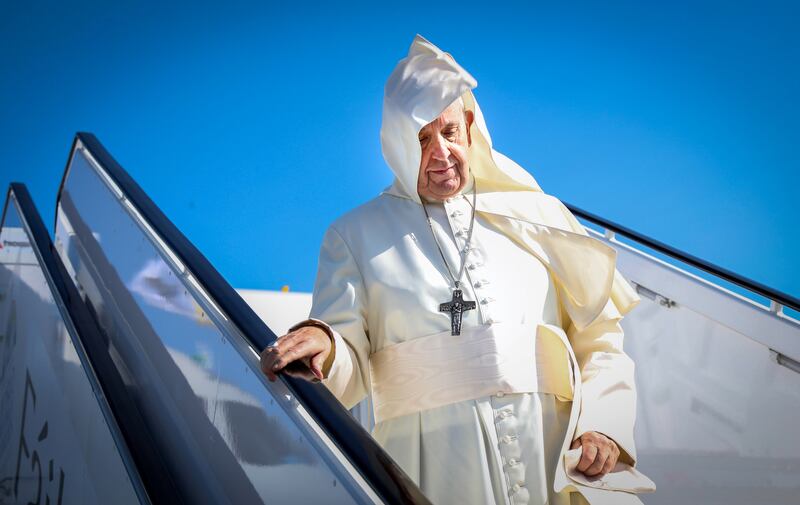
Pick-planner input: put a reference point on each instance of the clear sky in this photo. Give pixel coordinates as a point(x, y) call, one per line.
point(253, 126)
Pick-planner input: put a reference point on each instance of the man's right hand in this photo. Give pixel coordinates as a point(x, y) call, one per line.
point(308, 344)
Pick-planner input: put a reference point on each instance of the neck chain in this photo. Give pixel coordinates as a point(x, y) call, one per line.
point(457, 305)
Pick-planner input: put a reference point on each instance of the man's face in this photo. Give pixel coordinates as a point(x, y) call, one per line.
point(444, 164)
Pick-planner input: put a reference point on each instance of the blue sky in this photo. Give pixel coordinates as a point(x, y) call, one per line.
point(253, 126)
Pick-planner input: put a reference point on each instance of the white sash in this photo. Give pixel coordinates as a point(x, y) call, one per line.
point(440, 369)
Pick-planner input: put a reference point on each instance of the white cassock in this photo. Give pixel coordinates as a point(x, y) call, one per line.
point(485, 417)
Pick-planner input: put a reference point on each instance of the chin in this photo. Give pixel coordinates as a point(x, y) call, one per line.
point(445, 194)
point(449, 188)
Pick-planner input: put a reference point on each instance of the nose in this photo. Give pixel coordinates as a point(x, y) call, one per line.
point(439, 149)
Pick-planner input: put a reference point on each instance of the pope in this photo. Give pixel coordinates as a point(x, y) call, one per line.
point(477, 313)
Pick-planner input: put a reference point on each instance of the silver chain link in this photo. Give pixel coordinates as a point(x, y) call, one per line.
point(463, 254)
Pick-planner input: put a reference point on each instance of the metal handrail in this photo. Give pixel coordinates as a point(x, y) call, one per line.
point(723, 273)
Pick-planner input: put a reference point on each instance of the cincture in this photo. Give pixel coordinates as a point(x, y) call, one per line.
point(441, 369)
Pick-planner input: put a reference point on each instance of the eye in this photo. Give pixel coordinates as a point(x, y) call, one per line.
point(450, 134)
point(423, 140)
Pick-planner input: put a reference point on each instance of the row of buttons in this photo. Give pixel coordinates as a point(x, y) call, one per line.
point(514, 467)
point(460, 227)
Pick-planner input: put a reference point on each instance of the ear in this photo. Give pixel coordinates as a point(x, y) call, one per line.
point(469, 118)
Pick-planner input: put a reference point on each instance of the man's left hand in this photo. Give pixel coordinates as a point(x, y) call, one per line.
point(600, 453)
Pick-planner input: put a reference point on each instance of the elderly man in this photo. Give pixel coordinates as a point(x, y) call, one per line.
point(477, 313)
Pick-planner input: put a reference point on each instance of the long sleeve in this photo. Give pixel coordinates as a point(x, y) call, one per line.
point(339, 300)
point(608, 391)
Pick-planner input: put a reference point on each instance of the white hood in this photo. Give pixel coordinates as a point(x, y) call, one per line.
point(421, 87)
point(426, 82)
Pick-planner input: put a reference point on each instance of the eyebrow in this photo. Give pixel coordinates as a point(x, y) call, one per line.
point(452, 124)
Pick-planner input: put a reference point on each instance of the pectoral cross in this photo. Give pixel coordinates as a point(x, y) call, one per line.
point(456, 307)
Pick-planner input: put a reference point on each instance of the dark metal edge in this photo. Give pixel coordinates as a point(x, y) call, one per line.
point(63, 180)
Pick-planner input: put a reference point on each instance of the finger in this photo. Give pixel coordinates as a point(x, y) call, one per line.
point(304, 349)
point(610, 463)
point(599, 462)
point(266, 371)
point(300, 373)
point(267, 360)
point(575, 443)
point(274, 352)
point(587, 458)
point(316, 364)
point(269, 357)
point(286, 342)
point(299, 339)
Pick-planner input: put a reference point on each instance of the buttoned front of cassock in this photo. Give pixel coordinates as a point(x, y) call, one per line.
point(504, 284)
point(501, 448)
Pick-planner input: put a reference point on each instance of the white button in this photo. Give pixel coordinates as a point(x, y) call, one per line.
point(512, 462)
point(456, 213)
point(478, 284)
point(471, 266)
point(489, 320)
point(500, 394)
point(515, 488)
point(506, 439)
point(484, 301)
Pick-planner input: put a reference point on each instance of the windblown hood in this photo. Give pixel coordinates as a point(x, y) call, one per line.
point(421, 87)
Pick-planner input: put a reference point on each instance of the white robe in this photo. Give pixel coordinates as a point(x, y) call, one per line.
point(380, 282)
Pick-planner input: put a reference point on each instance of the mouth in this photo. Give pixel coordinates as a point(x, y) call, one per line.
point(442, 170)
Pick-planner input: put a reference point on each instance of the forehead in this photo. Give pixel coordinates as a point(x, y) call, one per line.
point(454, 113)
